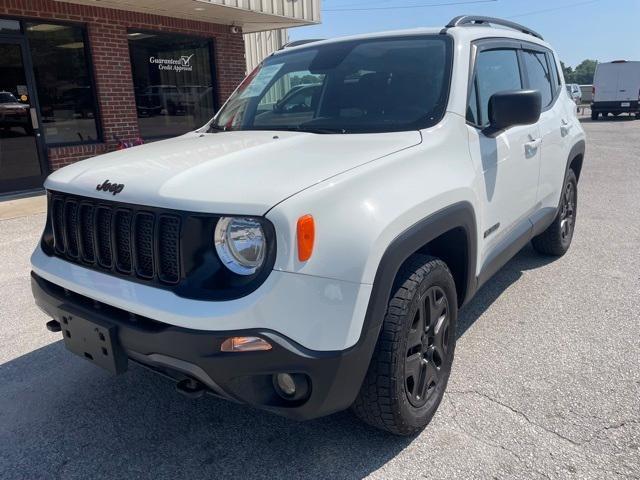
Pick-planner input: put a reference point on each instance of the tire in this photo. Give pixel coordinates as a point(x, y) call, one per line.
point(594, 115)
point(411, 364)
point(556, 239)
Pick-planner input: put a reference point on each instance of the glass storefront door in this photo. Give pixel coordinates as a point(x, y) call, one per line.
point(21, 165)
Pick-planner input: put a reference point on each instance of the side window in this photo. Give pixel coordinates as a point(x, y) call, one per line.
point(555, 77)
point(539, 75)
point(496, 71)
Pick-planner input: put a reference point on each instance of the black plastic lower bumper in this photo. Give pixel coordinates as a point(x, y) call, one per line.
point(616, 107)
point(334, 377)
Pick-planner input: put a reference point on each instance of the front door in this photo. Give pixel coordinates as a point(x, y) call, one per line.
point(21, 163)
point(509, 161)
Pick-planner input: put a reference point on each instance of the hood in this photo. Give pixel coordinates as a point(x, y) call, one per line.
point(14, 106)
point(242, 172)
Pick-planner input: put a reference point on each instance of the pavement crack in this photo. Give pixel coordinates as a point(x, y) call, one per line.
point(488, 443)
point(518, 413)
point(614, 426)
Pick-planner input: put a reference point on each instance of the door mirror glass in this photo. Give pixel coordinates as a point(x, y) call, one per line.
point(514, 107)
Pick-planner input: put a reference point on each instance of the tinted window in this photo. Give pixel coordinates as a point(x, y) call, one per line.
point(173, 82)
point(496, 71)
point(63, 81)
point(555, 77)
point(6, 97)
point(348, 87)
point(539, 75)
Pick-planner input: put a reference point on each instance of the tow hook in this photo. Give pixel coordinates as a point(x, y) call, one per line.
point(190, 388)
point(53, 326)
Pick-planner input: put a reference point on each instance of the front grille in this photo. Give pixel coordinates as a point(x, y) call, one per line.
point(128, 240)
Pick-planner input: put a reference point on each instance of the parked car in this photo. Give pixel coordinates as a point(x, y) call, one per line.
point(320, 264)
point(299, 100)
point(14, 113)
point(575, 92)
point(616, 89)
point(161, 100)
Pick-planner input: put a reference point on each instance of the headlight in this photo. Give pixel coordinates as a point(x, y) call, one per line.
point(241, 244)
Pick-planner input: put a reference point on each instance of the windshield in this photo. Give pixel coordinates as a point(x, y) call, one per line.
point(375, 85)
point(6, 97)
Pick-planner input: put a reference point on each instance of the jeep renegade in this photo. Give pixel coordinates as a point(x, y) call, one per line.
point(308, 250)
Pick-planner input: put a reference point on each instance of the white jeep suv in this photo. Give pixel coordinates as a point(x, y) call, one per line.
point(312, 258)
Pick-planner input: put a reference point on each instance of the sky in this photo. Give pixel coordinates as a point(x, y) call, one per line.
point(602, 30)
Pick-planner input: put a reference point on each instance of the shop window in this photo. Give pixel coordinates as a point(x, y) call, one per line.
point(9, 26)
point(173, 82)
point(63, 82)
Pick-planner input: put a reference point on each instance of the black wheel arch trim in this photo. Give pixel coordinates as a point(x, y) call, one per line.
point(459, 215)
point(578, 150)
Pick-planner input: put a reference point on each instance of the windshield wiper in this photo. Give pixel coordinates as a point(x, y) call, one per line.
point(322, 130)
point(310, 129)
point(216, 128)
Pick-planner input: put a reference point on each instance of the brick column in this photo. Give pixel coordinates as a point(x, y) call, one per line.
point(230, 63)
point(114, 81)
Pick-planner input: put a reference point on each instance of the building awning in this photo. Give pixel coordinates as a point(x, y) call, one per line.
point(251, 16)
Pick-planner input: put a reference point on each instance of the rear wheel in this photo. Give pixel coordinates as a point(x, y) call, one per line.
point(556, 239)
point(594, 115)
point(412, 361)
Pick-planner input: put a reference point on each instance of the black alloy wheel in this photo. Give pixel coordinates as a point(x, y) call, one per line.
point(427, 346)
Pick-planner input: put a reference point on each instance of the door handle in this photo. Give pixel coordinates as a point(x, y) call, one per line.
point(565, 128)
point(34, 118)
point(531, 147)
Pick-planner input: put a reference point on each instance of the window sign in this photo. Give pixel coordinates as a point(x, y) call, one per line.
point(261, 80)
point(173, 82)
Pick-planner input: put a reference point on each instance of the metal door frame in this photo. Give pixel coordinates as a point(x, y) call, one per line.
point(8, 187)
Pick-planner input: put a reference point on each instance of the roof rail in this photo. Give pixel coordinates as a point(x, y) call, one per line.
point(297, 43)
point(470, 20)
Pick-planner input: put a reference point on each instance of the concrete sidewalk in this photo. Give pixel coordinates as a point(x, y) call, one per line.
point(23, 207)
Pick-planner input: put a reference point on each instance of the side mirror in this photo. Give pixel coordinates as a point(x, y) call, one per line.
point(513, 107)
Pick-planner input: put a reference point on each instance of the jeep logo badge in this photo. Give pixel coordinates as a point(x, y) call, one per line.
point(107, 186)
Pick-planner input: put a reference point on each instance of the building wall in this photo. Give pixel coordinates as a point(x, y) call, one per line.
point(108, 42)
point(262, 44)
point(308, 10)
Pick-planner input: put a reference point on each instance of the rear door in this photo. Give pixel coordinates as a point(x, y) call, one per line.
point(556, 122)
point(629, 81)
point(509, 161)
point(606, 83)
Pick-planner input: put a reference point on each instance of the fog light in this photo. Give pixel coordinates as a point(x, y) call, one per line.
point(245, 344)
point(285, 384)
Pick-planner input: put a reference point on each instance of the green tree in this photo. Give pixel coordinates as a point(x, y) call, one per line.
point(568, 73)
point(583, 73)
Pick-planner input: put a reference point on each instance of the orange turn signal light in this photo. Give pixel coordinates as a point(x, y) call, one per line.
point(245, 344)
point(306, 237)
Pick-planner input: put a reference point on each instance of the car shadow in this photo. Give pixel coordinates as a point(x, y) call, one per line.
point(526, 259)
point(60, 417)
point(610, 118)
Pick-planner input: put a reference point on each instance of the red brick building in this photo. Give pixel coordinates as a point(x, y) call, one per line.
point(77, 79)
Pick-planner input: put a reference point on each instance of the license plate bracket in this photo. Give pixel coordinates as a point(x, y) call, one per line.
point(94, 340)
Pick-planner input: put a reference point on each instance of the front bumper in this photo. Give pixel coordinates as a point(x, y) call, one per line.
point(334, 377)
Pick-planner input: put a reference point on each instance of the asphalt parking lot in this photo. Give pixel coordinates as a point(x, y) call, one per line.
point(546, 381)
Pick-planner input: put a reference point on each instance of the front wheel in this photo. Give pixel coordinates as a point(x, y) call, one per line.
point(412, 361)
point(556, 239)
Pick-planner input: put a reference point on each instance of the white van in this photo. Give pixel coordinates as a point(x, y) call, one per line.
point(616, 89)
